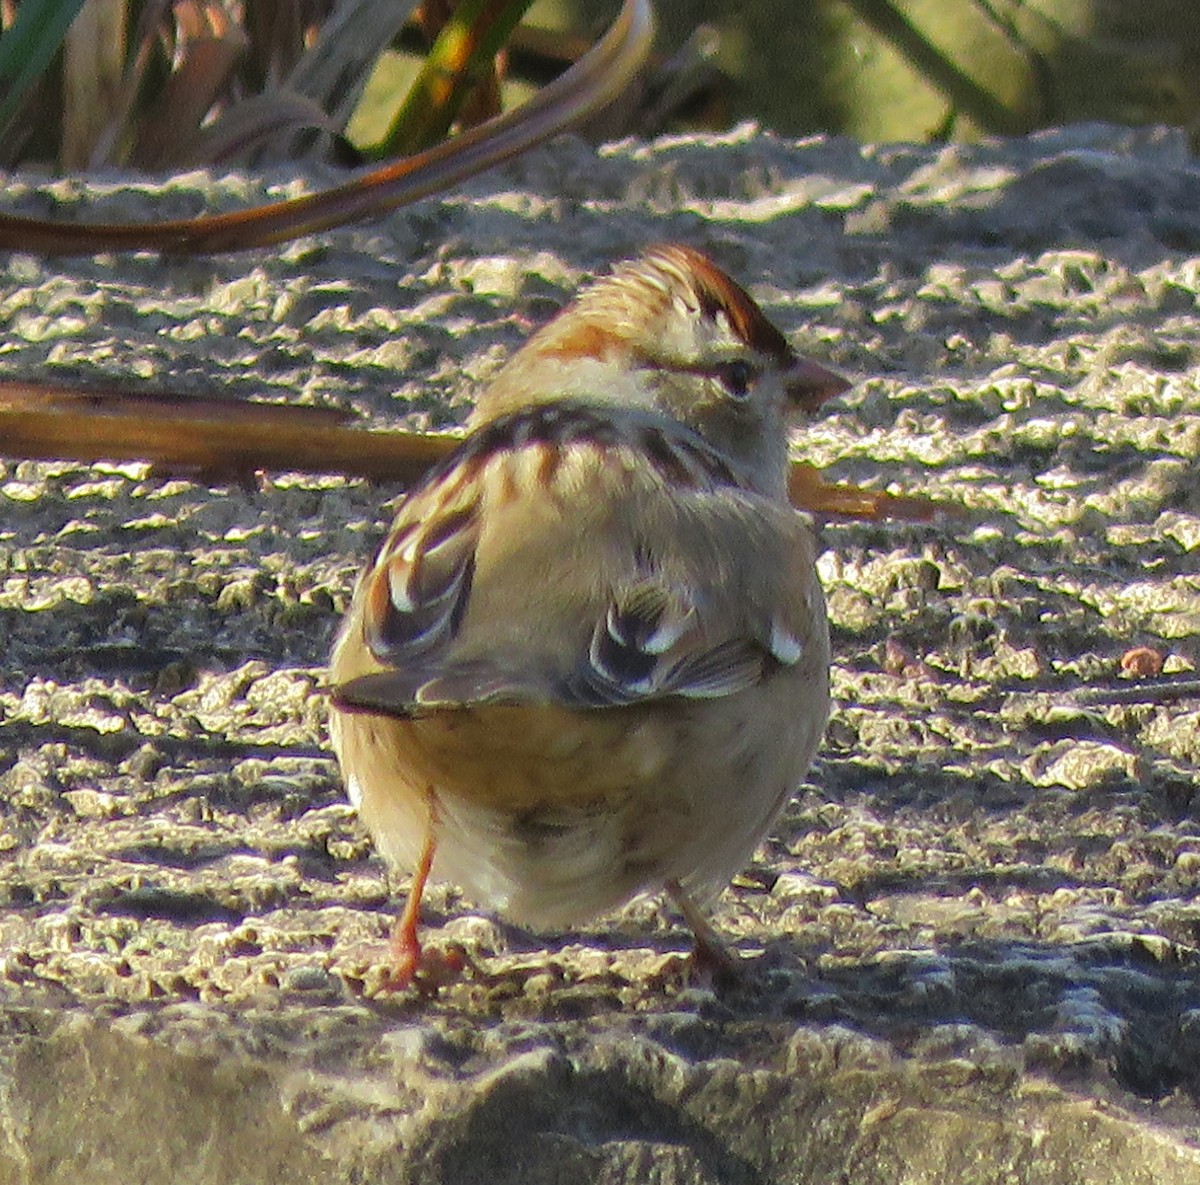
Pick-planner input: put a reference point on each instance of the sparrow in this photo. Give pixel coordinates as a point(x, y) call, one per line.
point(590, 659)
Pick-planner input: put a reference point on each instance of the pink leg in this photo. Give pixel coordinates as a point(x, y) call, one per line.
point(406, 946)
point(711, 956)
point(410, 964)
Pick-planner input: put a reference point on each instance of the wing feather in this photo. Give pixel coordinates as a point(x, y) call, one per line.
point(480, 595)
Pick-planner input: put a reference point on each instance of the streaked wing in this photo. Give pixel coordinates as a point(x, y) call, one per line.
point(480, 596)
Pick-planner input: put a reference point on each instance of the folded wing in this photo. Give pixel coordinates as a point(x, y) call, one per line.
point(557, 558)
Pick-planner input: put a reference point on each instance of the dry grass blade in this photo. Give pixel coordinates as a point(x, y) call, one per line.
point(593, 82)
point(111, 142)
point(279, 30)
point(808, 490)
point(93, 70)
point(259, 120)
point(213, 438)
point(334, 71)
point(208, 48)
point(230, 440)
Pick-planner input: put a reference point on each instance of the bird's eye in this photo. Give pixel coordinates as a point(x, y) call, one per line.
point(736, 377)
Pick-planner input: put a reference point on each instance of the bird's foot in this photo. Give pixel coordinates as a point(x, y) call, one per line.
point(426, 970)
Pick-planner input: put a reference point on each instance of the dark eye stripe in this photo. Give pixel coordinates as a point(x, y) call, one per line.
point(736, 375)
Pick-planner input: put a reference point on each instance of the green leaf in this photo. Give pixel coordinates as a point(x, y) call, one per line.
point(27, 49)
point(473, 36)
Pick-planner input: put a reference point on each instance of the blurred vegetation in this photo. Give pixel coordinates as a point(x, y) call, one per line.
point(456, 90)
point(946, 69)
point(162, 84)
point(168, 83)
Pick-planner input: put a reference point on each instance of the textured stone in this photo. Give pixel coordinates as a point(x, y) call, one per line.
point(970, 940)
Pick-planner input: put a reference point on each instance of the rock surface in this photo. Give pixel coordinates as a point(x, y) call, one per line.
point(972, 937)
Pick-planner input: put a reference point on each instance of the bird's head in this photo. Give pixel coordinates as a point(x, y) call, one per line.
point(670, 331)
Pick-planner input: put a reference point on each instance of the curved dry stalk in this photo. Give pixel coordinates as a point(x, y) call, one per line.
point(808, 490)
point(591, 84)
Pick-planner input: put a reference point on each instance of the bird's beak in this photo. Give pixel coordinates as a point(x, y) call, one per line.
point(809, 385)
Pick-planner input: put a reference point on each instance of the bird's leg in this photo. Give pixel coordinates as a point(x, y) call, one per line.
point(710, 955)
point(406, 946)
point(409, 962)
